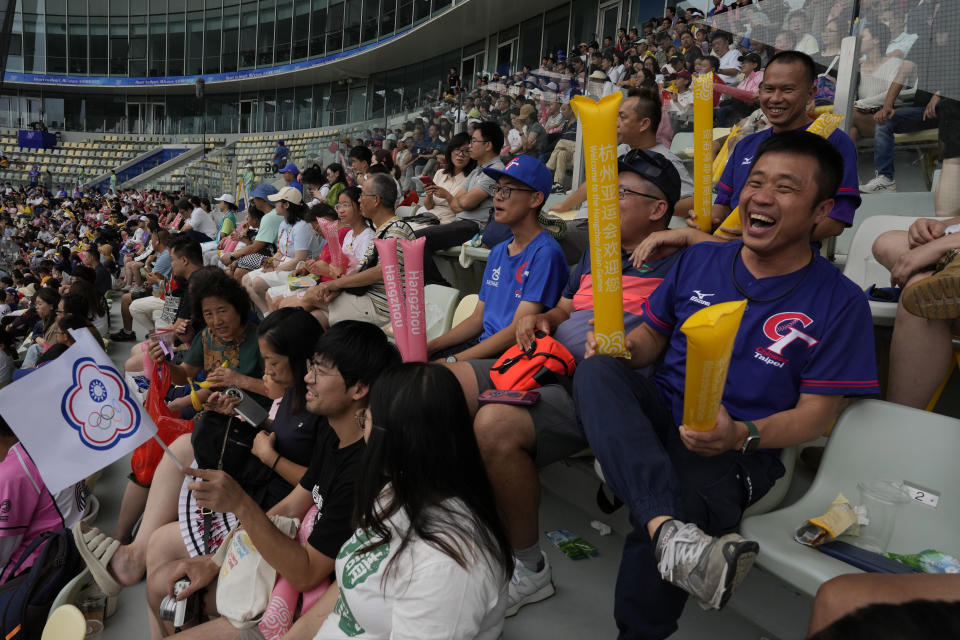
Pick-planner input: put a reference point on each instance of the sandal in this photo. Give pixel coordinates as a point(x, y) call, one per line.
point(97, 549)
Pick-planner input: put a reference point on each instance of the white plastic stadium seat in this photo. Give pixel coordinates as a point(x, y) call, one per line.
point(441, 304)
point(915, 447)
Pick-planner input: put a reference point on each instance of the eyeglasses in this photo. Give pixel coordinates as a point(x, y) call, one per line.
point(480, 141)
point(623, 191)
point(369, 195)
point(319, 370)
point(462, 151)
point(503, 192)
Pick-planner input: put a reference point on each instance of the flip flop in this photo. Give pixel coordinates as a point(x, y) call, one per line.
point(97, 549)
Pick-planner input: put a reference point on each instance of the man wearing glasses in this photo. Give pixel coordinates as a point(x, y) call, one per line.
point(518, 441)
point(474, 202)
point(524, 275)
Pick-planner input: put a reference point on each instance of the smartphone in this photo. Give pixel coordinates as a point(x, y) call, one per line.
point(426, 180)
point(507, 396)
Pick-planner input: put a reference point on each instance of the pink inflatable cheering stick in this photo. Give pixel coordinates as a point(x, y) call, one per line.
point(414, 299)
point(394, 285)
point(329, 230)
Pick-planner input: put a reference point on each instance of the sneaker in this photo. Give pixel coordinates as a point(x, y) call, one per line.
point(123, 336)
point(880, 184)
point(527, 587)
point(936, 297)
point(706, 567)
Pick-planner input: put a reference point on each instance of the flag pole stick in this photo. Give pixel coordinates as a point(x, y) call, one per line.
point(167, 451)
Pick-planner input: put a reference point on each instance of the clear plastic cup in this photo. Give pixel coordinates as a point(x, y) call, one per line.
point(94, 630)
point(882, 500)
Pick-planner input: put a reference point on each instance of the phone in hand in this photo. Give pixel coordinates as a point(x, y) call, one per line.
point(427, 181)
point(509, 396)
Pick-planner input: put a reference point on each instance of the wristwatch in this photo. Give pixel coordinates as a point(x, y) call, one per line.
point(451, 358)
point(753, 438)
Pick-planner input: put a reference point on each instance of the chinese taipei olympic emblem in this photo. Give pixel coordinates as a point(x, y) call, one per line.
point(98, 405)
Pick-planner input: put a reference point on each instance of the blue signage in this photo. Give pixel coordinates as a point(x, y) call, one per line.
point(162, 81)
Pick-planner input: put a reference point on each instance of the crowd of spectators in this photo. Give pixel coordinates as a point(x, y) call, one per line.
point(421, 502)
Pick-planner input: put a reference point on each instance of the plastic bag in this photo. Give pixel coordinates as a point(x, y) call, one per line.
point(147, 456)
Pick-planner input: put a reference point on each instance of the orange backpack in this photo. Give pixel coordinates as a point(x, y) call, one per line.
point(545, 362)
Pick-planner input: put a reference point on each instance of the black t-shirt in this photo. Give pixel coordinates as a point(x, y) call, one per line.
point(296, 439)
point(180, 288)
point(103, 281)
point(331, 480)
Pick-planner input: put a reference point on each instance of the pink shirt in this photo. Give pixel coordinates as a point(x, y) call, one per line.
point(752, 82)
point(26, 509)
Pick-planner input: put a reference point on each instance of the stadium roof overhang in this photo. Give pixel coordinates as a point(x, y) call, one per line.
point(467, 21)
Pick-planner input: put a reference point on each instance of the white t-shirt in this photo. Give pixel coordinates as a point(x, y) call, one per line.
point(356, 246)
point(428, 595)
point(300, 237)
point(730, 60)
point(203, 222)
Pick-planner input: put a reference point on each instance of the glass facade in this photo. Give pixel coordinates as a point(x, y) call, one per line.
point(167, 38)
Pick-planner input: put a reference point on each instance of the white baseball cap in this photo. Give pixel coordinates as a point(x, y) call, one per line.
point(226, 198)
point(290, 194)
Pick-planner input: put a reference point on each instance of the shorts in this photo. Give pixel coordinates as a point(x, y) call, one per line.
point(283, 291)
point(949, 111)
point(347, 306)
point(272, 278)
point(554, 418)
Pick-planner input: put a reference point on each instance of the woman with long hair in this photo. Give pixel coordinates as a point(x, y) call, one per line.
point(430, 556)
point(456, 167)
point(44, 334)
point(337, 179)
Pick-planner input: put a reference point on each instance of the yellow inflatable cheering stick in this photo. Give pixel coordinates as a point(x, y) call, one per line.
point(194, 396)
point(710, 333)
point(599, 122)
point(703, 150)
point(823, 126)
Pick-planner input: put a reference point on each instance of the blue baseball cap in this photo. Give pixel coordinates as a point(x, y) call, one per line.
point(263, 190)
point(529, 171)
point(290, 167)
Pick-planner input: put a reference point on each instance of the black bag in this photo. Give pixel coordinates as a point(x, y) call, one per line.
point(226, 443)
point(26, 598)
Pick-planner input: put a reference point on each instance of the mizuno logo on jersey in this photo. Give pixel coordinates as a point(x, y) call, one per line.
point(699, 298)
point(747, 161)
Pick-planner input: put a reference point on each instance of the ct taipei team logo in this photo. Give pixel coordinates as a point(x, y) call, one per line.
point(783, 329)
point(98, 405)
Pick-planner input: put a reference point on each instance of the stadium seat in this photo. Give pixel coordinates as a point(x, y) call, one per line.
point(70, 594)
point(440, 307)
point(863, 268)
point(914, 446)
point(465, 309)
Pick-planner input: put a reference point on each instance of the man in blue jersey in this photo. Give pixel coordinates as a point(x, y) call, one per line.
point(518, 441)
point(789, 84)
point(524, 275)
point(805, 342)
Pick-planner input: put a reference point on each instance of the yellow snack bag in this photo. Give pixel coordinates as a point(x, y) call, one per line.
point(599, 122)
point(703, 150)
point(710, 333)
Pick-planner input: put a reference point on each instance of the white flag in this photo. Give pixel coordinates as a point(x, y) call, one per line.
point(76, 415)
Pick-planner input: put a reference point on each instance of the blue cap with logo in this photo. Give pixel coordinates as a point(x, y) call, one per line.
point(290, 167)
point(263, 190)
point(529, 171)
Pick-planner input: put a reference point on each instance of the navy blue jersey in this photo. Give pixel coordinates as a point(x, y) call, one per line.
point(738, 167)
point(817, 339)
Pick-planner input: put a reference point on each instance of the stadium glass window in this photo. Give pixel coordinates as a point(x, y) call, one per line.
point(318, 28)
point(440, 4)
point(118, 46)
point(404, 13)
point(335, 27)
point(351, 28)
point(77, 46)
point(119, 7)
point(388, 14)
point(248, 37)
point(284, 26)
point(175, 44)
point(556, 23)
point(99, 46)
point(301, 31)
point(56, 44)
point(421, 10)
point(231, 38)
point(157, 49)
point(211, 42)
point(370, 20)
point(265, 34)
point(194, 55)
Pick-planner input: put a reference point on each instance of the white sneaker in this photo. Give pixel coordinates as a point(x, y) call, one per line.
point(706, 567)
point(879, 184)
point(527, 587)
